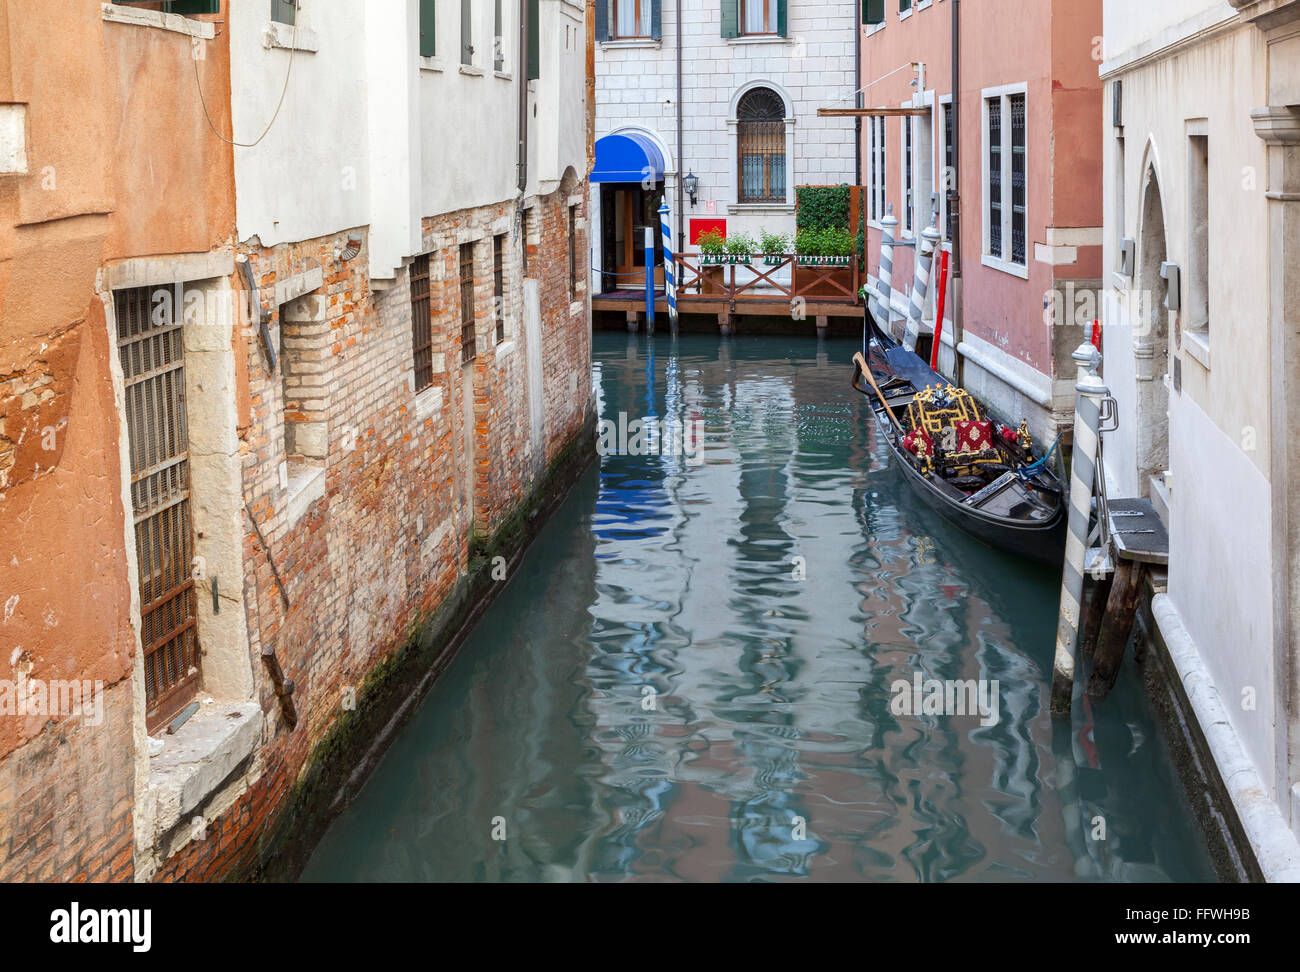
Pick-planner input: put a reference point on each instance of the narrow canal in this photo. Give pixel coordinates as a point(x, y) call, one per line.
point(690, 677)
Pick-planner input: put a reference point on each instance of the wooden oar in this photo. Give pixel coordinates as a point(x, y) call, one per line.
point(866, 370)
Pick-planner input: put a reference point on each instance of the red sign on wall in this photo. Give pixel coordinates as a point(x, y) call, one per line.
point(699, 226)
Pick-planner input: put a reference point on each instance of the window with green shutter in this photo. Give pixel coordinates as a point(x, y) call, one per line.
point(873, 12)
point(284, 11)
point(730, 18)
point(428, 28)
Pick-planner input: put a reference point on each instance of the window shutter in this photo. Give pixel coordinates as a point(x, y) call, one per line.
point(534, 43)
point(428, 37)
point(730, 18)
point(781, 18)
point(873, 12)
point(602, 20)
point(656, 19)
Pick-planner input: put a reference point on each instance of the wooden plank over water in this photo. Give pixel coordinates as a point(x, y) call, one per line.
point(1138, 532)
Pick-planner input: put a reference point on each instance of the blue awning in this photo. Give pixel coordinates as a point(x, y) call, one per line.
point(629, 157)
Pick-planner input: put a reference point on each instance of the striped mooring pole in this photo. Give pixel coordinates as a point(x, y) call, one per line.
point(670, 266)
point(921, 283)
point(650, 279)
point(1089, 393)
point(887, 227)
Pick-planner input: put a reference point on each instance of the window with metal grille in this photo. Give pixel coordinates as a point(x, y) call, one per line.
point(185, 8)
point(421, 322)
point(949, 169)
point(149, 344)
point(573, 253)
point(499, 286)
point(760, 139)
point(879, 181)
point(1018, 247)
point(909, 202)
point(994, 189)
point(468, 341)
point(498, 40)
point(1006, 178)
point(524, 224)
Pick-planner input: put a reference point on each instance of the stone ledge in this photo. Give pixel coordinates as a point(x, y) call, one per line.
point(283, 36)
point(306, 486)
point(115, 13)
point(200, 756)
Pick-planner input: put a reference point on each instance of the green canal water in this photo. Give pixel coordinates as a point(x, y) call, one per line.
point(692, 674)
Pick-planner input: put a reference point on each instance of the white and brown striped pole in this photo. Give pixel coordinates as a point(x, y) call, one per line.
point(1089, 393)
point(921, 283)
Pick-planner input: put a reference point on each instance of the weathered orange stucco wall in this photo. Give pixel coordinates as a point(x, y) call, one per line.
point(121, 163)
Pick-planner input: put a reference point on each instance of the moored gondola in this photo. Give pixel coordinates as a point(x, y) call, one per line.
point(978, 474)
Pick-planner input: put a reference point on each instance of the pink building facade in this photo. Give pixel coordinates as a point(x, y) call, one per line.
point(1023, 147)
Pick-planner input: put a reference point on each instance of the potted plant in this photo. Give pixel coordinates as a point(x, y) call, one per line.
point(713, 250)
point(773, 246)
point(713, 247)
point(740, 247)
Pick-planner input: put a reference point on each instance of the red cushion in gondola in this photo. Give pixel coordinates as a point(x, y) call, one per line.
point(974, 436)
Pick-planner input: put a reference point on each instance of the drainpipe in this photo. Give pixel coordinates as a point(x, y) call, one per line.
point(521, 69)
point(954, 198)
point(857, 121)
point(681, 213)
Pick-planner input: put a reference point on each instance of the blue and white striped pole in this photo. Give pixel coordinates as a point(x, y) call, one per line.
point(884, 304)
point(670, 266)
point(921, 284)
point(649, 280)
point(1090, 391)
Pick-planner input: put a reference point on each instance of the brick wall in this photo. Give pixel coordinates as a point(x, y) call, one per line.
point(407, 476)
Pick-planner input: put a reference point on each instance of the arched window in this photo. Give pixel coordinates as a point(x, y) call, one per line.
point(760, 118)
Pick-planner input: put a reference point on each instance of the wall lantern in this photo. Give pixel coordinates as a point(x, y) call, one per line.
point(691, 183)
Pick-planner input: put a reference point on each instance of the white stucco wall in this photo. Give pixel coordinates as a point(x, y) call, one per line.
point(371, 134)
point(812, 68)
point(1220, 511)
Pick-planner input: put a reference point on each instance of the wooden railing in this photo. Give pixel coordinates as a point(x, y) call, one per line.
point(809, 280)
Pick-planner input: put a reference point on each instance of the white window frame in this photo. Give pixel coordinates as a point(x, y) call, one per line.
point(877, 176)
point(998, 261)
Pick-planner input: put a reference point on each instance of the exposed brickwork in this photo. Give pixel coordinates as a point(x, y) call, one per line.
point(408, 478)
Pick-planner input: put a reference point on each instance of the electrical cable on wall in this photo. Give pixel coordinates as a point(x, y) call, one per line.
point(293, 48)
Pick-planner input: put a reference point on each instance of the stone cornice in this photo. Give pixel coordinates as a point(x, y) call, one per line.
point(1277, 125)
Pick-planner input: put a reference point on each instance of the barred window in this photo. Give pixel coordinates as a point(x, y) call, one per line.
point(760, 131)
point(1006, 179)
point(909, 194)
point(421, 322)
point(499, 286)
point(573, 253)
point(468, 341)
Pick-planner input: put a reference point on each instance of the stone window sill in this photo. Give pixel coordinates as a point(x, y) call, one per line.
point(1197, 344)
point(197, 760)
point(1007, 267)
point(431, 64)
point(504, 349)
point(471, 70)
point(763, 39)
point(631, 44)
point(904, 14)
point(503, 75)
point(282, 35)
point(306, 484)
point(760, 208)
point(156, 18)
point(428, 402)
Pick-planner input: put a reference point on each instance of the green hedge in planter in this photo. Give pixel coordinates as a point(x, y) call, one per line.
point(822, 207)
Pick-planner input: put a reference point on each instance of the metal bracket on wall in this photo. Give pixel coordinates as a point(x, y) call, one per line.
point(263, 315)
